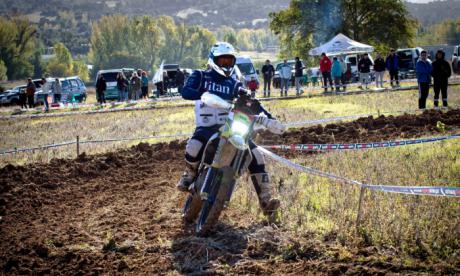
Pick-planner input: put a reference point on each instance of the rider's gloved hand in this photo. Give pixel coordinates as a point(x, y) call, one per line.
point(274, 126)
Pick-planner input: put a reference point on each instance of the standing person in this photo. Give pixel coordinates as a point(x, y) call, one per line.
point(364, 68)
point(423, 70)
point(298, 75)
point(135, 87)
point(325, 66)
point(392, 63)
point(121, 86)
point(267, 71)
point(101, 86)
point(23, 98)
point(285, 77)
point(30, 92)
point(145, 85)
point(180, 80)
point(441, 74)
point(379, 68)
point(344, 67)
point(253, 86)
point(45, 92)
point(336, 73)
point(57, 90)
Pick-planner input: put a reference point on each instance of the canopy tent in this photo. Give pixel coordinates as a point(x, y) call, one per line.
point(158, 77)
point(339, 45)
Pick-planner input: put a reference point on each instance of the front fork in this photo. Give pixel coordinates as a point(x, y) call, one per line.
point(222, 161)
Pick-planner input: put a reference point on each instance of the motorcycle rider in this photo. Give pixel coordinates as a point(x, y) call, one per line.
point(218, 80)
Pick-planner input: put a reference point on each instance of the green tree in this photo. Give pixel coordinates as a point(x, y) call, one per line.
point(446, 32)
point(143, 42)
point(306, 23)
point(3, 70)
point(62, 64)
point(17, 44)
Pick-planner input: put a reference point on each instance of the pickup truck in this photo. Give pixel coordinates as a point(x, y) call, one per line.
point(456, 60)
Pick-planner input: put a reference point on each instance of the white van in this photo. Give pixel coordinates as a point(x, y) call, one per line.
point(246, 68)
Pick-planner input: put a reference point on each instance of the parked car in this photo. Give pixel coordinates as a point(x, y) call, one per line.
point(73, 89)
point(276, 77)
point(110, 77)
point(456, 59)
point(408, 58)
point(246, 68)
point(12, 97)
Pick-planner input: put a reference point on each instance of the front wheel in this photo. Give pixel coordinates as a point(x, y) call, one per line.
point(192, 207)
point(210, 212)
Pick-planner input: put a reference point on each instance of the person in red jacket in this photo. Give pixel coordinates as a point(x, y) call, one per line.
point(325, 66)
point(253, 86)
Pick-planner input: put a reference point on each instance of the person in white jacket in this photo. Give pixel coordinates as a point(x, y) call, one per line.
point(285, 77)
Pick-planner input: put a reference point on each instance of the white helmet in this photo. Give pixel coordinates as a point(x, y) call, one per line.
point(222, 58)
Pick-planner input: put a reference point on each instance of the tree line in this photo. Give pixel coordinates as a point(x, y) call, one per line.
point(308, 23)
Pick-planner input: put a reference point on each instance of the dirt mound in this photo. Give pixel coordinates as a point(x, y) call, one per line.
point(120, 213)
point(372, 129)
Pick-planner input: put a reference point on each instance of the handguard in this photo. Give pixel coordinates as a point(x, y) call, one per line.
point(274, 126)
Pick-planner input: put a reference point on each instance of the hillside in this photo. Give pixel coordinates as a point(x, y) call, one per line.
point(238, 13)
point(434, 12)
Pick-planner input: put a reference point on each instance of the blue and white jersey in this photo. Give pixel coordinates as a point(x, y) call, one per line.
point(214, 83)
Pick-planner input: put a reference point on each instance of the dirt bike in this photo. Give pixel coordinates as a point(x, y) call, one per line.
point(226, 157)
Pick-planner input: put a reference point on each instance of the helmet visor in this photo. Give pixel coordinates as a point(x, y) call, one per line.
point(226, 61)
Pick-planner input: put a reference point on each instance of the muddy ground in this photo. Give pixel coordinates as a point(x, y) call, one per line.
point(119, 213)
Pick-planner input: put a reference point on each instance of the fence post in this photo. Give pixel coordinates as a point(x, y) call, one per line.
point(360, 206)
point(78, 145)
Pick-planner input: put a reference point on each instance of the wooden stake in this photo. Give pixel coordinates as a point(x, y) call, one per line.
point(360, 205)
point(78, 145)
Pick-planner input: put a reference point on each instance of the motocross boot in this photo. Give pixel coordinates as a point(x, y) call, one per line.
point(269, 205)
point(188, 176)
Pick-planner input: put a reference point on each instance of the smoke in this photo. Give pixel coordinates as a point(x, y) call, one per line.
point(329, 20)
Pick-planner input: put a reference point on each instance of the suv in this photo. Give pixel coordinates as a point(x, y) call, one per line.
point(73, 89)
point(407, 61)
point(276, 77)
point(110, 77)
point(246, 68)
point(456, 59)
point(12, 97)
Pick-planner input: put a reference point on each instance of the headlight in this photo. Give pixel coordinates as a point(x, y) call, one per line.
point(239, 128)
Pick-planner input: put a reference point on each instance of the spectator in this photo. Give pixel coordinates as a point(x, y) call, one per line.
point(122, 87)
point(45, 92)
point(253, 86)
point(379, 68)
point(285, 77)
point(30, 92)
point(344, 67)
point(135, 87)
point(267, 71)
point(441, 74)
point(364, 68)
point(336, 73)
point(423, 70)
point(23, 98)
point(325, 67)
point(392, 63)
point(180, 80)
point(314, 79)
point(57, 90)
point(101, 86)
point(298, 75)
point(145, 85)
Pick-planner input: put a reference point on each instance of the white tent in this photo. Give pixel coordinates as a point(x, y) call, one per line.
point(159, 74)
point(339, 45)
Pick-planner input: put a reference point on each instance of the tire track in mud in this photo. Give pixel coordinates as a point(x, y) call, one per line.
point(120, 213)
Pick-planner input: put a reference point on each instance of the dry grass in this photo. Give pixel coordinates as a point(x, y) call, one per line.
point(20, 133)
point(424, 227)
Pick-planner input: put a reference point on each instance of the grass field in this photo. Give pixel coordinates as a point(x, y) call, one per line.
point(21, 133)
